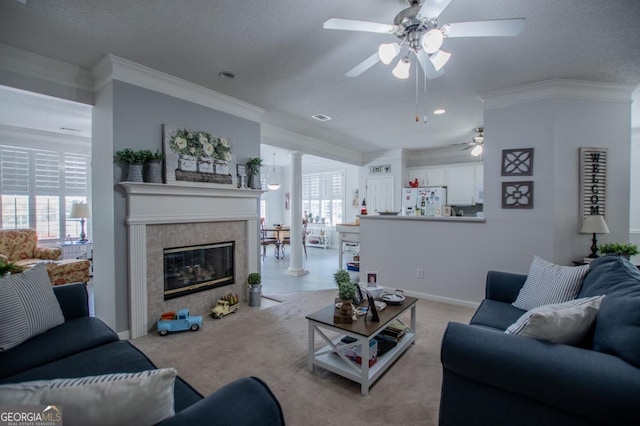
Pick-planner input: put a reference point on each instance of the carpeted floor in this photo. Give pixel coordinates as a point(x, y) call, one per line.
point(271, 343)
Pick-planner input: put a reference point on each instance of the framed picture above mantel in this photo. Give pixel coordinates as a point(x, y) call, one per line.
point(197, 156)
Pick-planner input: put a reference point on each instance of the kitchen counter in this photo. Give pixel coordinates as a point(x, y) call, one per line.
point(456, 219)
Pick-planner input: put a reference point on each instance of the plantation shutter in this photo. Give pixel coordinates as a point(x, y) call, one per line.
point(14, 171)
point(75, 174)
point(47, 173)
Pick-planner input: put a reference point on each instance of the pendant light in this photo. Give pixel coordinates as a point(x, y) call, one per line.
point(273, 183)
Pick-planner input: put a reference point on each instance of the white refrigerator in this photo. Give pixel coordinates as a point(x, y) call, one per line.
point(424, 201)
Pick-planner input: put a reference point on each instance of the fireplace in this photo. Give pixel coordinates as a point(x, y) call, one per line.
point(197, 268)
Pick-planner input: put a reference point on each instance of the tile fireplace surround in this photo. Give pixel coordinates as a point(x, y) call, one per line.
point(161, 216)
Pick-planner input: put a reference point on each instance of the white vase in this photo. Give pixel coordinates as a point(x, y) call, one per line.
point(187, 163)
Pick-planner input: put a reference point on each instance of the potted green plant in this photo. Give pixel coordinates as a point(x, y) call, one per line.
point(153, 163)
point(133, 160)
point(254, 281)
point(346, 291)
point(621, 249)
point(253, 166)
point(9, 268)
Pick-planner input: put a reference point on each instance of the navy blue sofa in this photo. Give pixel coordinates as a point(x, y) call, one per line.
point(493, 378)
point(85, 346)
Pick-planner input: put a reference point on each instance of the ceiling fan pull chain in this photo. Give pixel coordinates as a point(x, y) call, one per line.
point(425, 97)
point(417, 91)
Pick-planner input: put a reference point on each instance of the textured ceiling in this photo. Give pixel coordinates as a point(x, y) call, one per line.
point(289, 65)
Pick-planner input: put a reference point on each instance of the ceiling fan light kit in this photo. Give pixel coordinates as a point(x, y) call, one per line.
point(401, 70)
point(417, 28)
point(477, 150)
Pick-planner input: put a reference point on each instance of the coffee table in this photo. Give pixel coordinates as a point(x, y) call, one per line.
point(331, 357)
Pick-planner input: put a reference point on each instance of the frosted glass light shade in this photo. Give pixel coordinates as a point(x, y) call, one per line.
point(439, 59)
point(432, 41)
point(388, 51)
point(477, 150)
point(401, 70)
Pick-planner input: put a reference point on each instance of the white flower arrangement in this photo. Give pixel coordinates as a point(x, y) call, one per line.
point(200, 144)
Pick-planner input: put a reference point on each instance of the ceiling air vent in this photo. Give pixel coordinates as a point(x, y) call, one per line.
point(321, 117)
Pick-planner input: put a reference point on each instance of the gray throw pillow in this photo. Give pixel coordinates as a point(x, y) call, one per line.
point(28, 306)
point(548, 283)
point(566, 323)
point(142, 398)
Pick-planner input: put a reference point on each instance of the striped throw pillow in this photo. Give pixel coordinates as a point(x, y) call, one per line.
point(28, 306)
point(142, 398)
point(567, 322)
point(548, 283)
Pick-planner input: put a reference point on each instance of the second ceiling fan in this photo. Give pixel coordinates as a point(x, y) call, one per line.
point(417, 28)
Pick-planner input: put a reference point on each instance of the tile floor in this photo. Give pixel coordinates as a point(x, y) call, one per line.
point(320, 263)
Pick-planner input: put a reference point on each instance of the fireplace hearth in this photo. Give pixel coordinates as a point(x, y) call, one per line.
point(197, 268)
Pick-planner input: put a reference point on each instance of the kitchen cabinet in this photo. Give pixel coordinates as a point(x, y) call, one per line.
point(460, 184)
point(436, 176)
point(419, 173)
point(478, 174)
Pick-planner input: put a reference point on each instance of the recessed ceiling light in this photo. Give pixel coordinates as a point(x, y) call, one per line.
point(321, 117)
point(439, 111)
point(227, 74)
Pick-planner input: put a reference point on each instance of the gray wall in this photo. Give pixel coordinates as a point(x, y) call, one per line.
point(455, 257)
point(138, 116)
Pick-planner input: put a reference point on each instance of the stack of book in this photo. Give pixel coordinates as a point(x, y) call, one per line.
point(396, 330)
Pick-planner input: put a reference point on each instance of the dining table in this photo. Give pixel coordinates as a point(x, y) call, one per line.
point(278, 232)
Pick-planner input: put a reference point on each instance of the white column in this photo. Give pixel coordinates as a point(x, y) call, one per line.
point(138, 323)
point(295, 265)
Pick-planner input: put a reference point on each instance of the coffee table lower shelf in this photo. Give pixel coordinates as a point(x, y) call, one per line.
point(330, 356)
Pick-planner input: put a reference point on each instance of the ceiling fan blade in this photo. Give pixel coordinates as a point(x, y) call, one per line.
point(433, 8)
point(492, 28)
point(353, 25)
point(364, 65)
point(427, 66)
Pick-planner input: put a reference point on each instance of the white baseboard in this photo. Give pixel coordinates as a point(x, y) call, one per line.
point(448, 300)
point(124, 335)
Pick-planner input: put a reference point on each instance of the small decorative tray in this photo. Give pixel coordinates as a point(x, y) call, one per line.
point(395, 298)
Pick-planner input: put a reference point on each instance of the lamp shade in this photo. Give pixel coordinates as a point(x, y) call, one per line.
point(439, 59)
point(80, 210)
point(432, 41)
point(388, 51)
point(594, 224)
point(402, 69)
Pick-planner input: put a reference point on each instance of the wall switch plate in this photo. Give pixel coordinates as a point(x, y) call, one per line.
point(420, 273)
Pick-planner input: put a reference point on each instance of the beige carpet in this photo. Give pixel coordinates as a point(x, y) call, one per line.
point(272, 344)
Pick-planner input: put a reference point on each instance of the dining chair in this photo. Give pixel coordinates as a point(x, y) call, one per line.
point(266, 240)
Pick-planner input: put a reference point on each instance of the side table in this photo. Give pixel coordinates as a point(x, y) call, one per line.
point(77, 250)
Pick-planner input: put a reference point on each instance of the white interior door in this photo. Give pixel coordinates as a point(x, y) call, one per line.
point(379, 194)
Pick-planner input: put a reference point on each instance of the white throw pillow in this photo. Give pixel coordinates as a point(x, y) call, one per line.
point(566, 323)
point(142, 398)
point(28, 306)
point(548, 283)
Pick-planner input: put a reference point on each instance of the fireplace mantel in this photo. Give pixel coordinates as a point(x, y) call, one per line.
point(153, 204)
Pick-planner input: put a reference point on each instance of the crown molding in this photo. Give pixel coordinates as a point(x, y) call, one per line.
point(558, 89)
point(40, 67)
point(286, 139)
point(112, 67)
point(36, 139)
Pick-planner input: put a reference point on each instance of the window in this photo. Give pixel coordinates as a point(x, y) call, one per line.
point(323, 196)
point(38, 189)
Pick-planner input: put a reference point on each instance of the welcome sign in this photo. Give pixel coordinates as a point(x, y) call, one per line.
point(593, 181)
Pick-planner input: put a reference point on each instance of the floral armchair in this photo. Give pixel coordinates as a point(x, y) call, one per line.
point(21, 246)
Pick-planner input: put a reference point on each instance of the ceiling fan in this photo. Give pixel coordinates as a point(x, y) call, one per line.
point(477, 142)
point(417, 28)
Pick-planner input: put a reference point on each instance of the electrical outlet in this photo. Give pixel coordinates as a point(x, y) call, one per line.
point(420, 273)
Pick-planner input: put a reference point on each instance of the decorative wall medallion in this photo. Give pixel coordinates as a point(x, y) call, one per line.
point(593, 181)
point(517, 162)
point(517, 195)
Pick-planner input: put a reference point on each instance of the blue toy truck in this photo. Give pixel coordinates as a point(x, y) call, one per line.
point(171, 322)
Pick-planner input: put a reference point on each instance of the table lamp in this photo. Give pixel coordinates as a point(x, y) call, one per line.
point(81, 211)
point(594, 224)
